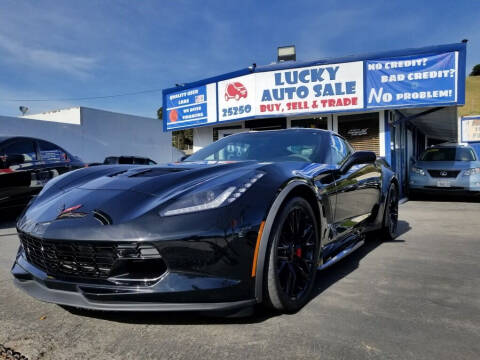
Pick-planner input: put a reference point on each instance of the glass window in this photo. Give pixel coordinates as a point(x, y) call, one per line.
point(340, 150)
point(25, 148)
point(294, 145)
point(449, 154)
point(51, 152)
point(312, 123)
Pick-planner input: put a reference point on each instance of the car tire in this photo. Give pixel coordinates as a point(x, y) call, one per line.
point(390, 215)
point(292, 257)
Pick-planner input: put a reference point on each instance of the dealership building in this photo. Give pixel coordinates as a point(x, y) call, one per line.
point(394, 103)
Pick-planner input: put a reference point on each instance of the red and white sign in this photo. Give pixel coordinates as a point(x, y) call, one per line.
point(315, 89)
point(236, 98)
point(326, 88)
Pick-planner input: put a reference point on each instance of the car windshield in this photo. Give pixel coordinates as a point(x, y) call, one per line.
point(268, 146)
point(449, 154)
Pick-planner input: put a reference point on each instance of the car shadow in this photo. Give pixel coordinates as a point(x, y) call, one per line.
point(445, 198)
point(346, 266)
point(258, 314)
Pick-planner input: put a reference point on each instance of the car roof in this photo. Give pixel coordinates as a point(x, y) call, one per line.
point(127, 156)
point(296, 129)
point(18, 137)
point(291, 130)
point(450, 145)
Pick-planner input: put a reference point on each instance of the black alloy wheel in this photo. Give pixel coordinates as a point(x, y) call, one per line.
point(390, 219)
point(292, 256)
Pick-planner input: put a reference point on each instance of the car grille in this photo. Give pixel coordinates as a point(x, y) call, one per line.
point(446, 173)
point(81, 258)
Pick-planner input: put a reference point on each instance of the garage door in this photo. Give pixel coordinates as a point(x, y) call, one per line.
point(361, 130)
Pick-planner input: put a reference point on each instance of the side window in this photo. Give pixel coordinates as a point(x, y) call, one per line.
point(25, 148)
point(51, 152)
point(340, 150)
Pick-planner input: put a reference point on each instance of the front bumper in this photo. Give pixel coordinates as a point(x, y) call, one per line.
point(202, 292)
point(427, 183)
point(207, 258)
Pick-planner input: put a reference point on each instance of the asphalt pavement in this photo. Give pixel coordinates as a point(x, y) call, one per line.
point(417, 297)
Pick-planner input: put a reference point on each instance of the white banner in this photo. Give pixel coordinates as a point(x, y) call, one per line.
point(315, 89)
point(471, 129)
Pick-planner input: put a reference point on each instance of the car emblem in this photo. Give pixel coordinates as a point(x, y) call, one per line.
point(70, 209)
point(443, 173)
point(71, 213)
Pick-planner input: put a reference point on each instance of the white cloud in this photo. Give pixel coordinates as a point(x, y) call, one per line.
point(19, 53)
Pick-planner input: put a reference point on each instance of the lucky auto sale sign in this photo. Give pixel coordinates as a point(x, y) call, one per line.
point(414, 80)
point(325, 88)
point(315, 89)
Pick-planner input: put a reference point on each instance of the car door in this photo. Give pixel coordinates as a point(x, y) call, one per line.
point(357, 189)
point(53, 161)
point(19, 161)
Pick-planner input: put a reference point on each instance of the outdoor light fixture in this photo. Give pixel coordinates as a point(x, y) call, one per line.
point(286, 53)
point(23, 109)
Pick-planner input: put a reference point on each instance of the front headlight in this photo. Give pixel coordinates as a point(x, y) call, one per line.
point(418, 171)
point(470, 172)
point(210, 196)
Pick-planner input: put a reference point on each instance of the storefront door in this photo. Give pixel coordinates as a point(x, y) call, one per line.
point(226, 132)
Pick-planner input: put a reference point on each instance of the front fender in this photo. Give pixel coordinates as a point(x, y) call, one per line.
point(267, 228)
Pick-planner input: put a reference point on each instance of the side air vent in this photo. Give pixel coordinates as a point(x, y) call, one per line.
point(117, 173)
point(151, 172)
point(103, 217)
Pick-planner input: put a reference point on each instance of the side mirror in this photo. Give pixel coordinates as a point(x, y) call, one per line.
point(357, 158)
point(14, 159)
point(183, 157)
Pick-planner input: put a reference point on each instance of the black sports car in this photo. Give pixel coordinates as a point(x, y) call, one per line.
point(248, 219)
point(26, 164)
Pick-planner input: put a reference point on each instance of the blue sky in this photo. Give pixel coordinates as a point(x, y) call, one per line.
point(70, 49)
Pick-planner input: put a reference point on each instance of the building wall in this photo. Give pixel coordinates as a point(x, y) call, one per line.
point(202, 136)
point(100, 134)
point(67, 116)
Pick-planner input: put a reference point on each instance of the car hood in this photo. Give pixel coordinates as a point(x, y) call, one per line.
point(160, 179)
point(130, 195)
point(118, 194)
point(447, 165)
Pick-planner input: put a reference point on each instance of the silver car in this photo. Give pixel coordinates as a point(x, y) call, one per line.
point(446, 167)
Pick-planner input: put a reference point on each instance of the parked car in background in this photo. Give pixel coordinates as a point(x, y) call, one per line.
point(446, 167)
point(129, 160)
point(26, 164)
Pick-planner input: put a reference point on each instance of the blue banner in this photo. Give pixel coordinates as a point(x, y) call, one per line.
point(186, 108)
point(408, 81)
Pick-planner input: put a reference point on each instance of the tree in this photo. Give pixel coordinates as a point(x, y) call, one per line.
point(181, 139)
point(475, 70)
